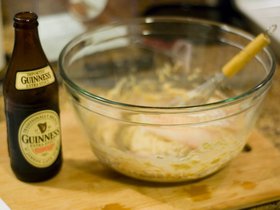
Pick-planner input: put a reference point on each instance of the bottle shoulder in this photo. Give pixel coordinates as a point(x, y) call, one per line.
point(31, 96)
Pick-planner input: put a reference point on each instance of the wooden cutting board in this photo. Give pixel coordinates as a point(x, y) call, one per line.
point(83, 183)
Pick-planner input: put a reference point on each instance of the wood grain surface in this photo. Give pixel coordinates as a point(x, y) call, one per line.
point(83, 183)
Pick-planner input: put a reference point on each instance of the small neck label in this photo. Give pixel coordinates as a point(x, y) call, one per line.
point(26, 80)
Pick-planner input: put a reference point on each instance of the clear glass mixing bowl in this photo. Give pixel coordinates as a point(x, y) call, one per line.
point(128, 83)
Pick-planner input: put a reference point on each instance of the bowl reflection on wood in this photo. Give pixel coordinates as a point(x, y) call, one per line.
point(129, 85)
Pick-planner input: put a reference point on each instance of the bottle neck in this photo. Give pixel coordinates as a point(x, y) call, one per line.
point(27, 47)
point(27, 37)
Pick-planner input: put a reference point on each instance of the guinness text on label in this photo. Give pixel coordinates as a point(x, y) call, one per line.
point(34, 79)
point(26, 139)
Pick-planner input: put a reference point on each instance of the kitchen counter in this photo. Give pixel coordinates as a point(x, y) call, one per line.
point(269, 120)
point(268, 124)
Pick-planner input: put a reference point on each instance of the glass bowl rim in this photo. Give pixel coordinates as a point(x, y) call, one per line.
point(224, 27)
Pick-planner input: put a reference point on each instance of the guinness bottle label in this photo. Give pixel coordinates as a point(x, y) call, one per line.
point(39, 138)
point(26, 80)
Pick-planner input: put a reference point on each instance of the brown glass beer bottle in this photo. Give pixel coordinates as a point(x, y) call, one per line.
point(30, 92)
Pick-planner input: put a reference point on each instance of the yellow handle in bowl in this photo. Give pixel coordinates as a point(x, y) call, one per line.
point(241, 59)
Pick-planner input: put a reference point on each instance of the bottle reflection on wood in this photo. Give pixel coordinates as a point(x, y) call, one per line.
point(30, 92)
